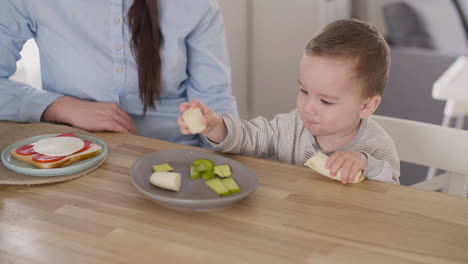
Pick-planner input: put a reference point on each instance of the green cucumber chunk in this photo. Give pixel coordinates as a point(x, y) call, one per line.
point(203, 165)
point(162, 167)
point(208, 174)
point(231, 185)
point(216, 185)
point(223, 170)
point(193, 173)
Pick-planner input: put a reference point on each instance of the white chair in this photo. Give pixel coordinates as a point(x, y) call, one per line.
point(452, 87)
point(434, 146)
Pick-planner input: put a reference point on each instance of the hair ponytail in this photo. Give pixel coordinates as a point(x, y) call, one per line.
point(147, 39)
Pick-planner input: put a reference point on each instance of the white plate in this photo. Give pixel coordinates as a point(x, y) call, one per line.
point(28, 169)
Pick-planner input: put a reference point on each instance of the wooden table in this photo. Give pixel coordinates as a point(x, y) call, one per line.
point(295, 216)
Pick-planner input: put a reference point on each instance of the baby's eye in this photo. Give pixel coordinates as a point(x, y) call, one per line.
point(325, 102)
point(304, 91)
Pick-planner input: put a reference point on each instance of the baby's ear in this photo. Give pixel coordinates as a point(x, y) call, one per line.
point(369, 106)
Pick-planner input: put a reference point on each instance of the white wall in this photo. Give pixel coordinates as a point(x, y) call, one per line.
point(281, 30)
point(236, 21)
point(371, 11)
point(266, 38)
point(28, 69)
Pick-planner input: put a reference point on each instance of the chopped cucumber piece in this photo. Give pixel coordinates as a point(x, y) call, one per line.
point(203, 165)
point(223, 170)
point(193, 173)
point(206, 175)
point(162, 167)
point(231, 185)
point(216, 185)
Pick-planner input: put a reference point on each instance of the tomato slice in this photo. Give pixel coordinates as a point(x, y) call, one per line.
point(87, 145)
point(67, 135)
point(45, 158)
point(26, 150)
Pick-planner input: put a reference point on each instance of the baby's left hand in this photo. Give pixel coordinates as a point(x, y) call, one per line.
point(350, 163)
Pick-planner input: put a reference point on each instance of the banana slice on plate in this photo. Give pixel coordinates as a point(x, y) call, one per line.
point(166, 180)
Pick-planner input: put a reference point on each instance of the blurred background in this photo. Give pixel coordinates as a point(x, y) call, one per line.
point(266, 39)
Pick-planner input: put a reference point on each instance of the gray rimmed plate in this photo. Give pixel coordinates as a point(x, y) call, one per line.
point(193, 194)
point(27, 169)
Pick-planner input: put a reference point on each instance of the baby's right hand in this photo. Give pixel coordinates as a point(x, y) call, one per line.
point(210, 117)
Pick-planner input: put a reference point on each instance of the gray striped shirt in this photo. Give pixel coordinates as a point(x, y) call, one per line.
point(284, 138)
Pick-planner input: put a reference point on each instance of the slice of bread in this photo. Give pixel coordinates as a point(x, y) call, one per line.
point(91, 152)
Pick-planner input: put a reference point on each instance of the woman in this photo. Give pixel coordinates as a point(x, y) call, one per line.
point(116, 65)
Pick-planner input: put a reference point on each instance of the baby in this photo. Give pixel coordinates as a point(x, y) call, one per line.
point(343, 73)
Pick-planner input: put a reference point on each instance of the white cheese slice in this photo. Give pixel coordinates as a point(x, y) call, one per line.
point(166, 180)
point(193, 118)
point(58, 146)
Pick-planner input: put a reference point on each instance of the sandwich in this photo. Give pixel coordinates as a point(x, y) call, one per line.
point(56, 152)
point(317, 163)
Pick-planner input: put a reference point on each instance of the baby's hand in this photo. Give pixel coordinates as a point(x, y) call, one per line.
point(210, 117)
point(350, 163)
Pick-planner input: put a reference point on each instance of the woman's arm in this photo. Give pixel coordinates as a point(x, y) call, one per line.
point(18, 101)
point(209, 73)
point(23, 103)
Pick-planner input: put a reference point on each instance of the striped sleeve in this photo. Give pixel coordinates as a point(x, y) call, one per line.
point(257, 137)
point(383, 163)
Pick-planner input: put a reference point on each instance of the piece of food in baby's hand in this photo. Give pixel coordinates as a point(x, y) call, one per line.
point(162, 167)
point(216, 185)
point(317, 163)
point(231, 185)
point(193, 117)
point(222, 170)
point(166, 180)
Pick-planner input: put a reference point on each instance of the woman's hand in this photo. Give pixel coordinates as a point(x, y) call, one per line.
point(350, 163)
point(215, 128)
point(91, 116)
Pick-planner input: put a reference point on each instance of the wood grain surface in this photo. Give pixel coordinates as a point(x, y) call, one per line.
point(294, 216)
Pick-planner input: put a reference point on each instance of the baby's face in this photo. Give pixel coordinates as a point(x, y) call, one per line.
point(329, 100)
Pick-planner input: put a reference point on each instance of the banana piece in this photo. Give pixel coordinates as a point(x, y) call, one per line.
point(317, 163)
point(193, 118)
point(166, 180)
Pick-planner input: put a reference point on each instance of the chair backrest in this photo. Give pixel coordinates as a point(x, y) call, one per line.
point(452, 86)
point(428, 144)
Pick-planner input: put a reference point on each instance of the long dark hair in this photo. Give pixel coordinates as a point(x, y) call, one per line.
point(147, 39)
